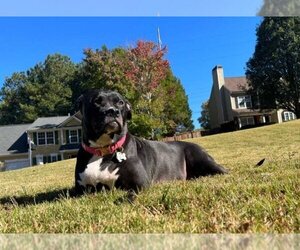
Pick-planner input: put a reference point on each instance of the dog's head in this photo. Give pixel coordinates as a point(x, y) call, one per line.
point(104, 116)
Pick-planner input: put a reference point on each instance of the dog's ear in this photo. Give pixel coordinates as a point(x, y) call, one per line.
point(79, 103)
point(128, 110)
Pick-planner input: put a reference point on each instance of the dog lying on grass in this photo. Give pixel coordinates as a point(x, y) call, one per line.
point(110, 156)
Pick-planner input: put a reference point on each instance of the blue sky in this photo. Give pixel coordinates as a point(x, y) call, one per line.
point(195, 44)
point(129, 7)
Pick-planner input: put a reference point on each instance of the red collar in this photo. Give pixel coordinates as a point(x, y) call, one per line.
point(105, 150)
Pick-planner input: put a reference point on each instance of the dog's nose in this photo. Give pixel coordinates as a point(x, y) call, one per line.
point(113, 112)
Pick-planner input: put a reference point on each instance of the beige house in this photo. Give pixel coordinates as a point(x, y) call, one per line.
point(46, 140)
point(230, 107)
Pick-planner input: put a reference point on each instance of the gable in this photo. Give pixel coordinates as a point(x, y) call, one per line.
point(72, 121)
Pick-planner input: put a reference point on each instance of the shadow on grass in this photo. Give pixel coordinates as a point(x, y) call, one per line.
point(26, 200)
point(10, 202)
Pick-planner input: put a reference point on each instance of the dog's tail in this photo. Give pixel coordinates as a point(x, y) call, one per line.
point(200, 163)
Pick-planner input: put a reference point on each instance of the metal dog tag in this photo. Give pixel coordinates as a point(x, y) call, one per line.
point(121, 156)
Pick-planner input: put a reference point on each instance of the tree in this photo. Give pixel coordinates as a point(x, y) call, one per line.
point(204, 119)
point(280, 8)
point(101, 68)
point(43, 90)
point(273, 72)
point(143, 76)
point(177, 113)
point(12, 95)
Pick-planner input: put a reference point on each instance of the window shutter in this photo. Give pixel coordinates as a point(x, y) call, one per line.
point(49, 158)
point(79, 135)
point(59, 157)
point(34, 138)
point(45, 159)
point(33, 161)
point(56, 137)
point(67, 136)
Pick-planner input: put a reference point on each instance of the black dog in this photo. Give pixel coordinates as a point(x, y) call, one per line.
point(110, 156)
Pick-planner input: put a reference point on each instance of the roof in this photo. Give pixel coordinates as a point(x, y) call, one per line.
point(47, 122)
point(236, 84)
point(13, 139)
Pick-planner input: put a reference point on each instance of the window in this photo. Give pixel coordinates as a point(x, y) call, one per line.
point(245, 121)
point(42, 159)
point(50, 138)
point(39, 159)
point(53, 157)
point(287, 116)
point(244, 102)
point(41, 138)
point(73, 136)
point(45, 138)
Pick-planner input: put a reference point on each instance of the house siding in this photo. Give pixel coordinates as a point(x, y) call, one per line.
point(73, 123)
point(213, 109)
point(228, 106)
point(46, 150)
point(233, 102)
point(12, 157)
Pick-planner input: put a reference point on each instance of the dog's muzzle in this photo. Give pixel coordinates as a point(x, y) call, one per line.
point(112, 127)
point(113, 123)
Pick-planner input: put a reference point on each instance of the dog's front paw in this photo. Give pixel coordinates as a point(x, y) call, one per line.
point(129, 197)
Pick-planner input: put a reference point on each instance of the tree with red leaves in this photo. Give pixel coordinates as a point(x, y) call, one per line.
point(143, 76)
point(147, 67)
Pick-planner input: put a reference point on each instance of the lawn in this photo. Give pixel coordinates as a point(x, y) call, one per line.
point(250, 199)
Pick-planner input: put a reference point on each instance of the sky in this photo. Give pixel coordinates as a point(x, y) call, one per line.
point(194, 44)
point(198, 34)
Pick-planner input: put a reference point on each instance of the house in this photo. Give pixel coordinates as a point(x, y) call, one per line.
point(231, 107)
point(13, 146)
point(51, 139)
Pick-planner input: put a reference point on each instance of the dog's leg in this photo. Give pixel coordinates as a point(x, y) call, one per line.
point(134, 180)
point(131, 196)
point(79, 190)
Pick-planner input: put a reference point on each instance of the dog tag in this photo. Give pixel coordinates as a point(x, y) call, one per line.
point(121, 156)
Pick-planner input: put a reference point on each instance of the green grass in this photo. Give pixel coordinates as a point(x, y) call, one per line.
point(249, 199)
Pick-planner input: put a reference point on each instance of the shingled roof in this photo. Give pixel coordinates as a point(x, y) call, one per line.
point(47, 122)
point(236, 84)
point(13, 139)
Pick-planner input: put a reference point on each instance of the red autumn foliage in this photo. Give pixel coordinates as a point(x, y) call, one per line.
point(146, 67)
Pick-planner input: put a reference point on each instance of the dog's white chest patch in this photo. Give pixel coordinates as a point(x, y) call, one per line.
point(93, 174)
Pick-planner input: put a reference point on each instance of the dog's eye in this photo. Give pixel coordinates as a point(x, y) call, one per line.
point(121, 103)
point(99, 102)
